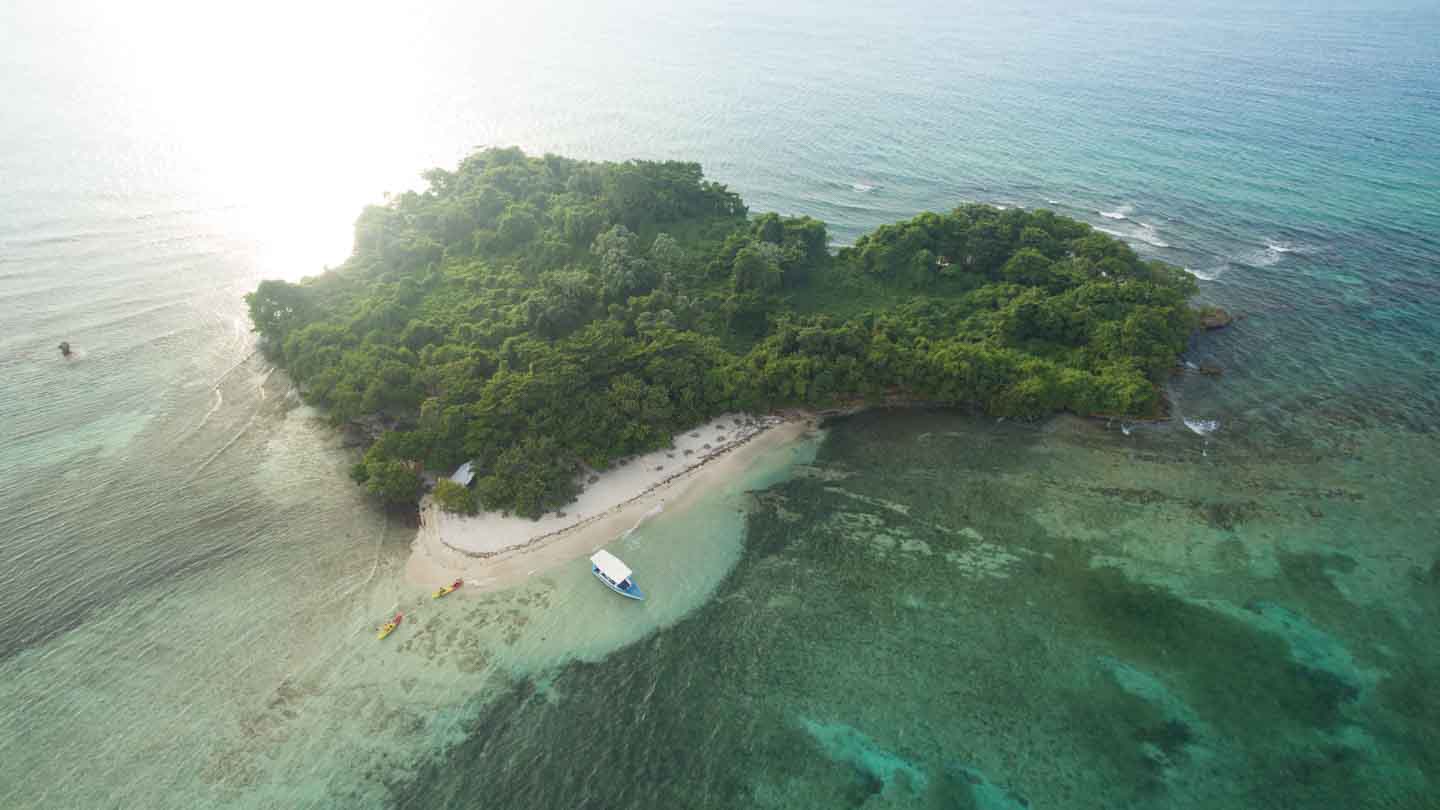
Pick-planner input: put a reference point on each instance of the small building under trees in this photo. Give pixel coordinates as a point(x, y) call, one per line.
point(464, 474)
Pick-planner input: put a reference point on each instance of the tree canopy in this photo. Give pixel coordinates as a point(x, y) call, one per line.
point(541, 315)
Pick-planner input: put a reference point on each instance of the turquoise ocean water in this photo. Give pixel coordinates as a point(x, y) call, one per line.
point(911, 609)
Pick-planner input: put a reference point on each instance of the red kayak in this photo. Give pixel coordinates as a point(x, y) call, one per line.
point(448, 589)
point(389, 627)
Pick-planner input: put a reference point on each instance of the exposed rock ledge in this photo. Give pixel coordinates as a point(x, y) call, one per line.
point(1215, 318)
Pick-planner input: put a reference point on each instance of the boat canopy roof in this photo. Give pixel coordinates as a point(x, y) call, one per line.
point(610, 566)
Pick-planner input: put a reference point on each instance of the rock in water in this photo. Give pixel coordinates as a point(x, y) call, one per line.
point(879, 767)
point(1215, 318)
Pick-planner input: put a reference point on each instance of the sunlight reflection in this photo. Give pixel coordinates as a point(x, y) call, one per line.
point(281, 120)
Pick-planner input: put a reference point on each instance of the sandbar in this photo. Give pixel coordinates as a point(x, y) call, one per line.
point(491, 551)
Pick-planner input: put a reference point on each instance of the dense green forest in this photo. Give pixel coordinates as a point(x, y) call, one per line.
point(540, 314)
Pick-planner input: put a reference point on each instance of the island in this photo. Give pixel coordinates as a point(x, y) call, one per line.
point(543, 319)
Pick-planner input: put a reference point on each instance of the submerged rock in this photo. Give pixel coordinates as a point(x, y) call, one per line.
point(1227, 515)
point(1164, 742)
point(1324, 663)
point(1152, 690)
point(846, 745)
point(984, 794)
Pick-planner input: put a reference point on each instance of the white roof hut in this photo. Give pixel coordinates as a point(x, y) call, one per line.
point(464, 475)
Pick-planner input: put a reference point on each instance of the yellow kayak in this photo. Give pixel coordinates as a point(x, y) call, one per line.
point(448, 589)
point(389, 627)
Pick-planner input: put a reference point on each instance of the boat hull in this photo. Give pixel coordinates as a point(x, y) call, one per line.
point(633, 592)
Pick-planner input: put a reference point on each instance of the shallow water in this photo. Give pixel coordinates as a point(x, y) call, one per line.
point(943, 611)
point(1235, 609)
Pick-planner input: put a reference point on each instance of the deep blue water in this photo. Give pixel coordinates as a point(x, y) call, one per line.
point(157, 160)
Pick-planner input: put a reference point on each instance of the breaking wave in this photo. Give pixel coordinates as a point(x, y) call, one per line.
point(1273, 252)
point(1203, 427)
point(1148, 237)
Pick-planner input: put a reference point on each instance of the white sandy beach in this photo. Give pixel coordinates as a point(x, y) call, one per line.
point(492, 551)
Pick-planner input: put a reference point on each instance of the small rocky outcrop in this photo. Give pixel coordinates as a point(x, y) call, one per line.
point(1215, 318)
point(1211, 369)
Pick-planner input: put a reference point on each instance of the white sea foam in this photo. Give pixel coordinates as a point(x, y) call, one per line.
point(1208, 273)
point(1203, 427)
point(1273, 253)
point(863, 188)
point(1264, 258)
point(1144, 237)
point(1123, 212)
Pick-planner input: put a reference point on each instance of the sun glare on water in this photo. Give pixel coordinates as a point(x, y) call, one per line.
point(278, 121)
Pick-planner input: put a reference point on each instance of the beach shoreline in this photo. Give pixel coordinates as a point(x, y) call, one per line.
point(491, 551)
